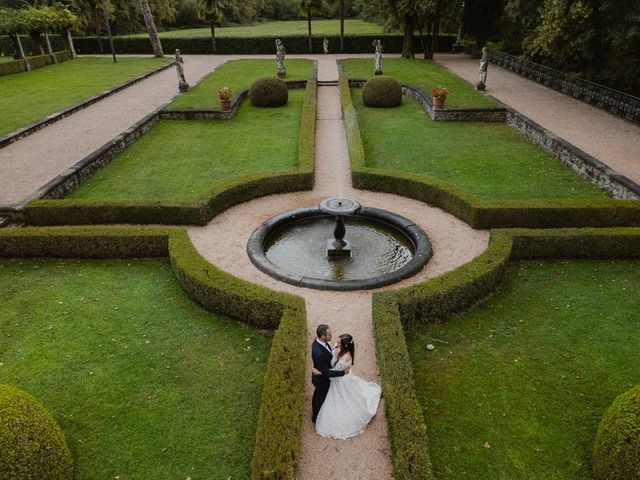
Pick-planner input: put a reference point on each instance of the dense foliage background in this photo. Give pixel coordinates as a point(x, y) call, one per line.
point(594, 39)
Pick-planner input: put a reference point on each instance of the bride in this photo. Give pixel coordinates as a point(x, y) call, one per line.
point(351, 402)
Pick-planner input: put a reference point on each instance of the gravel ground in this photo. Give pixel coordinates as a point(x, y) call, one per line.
point(608, 138)
point(367, 456)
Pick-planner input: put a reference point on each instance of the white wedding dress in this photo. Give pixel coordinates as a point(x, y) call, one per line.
point(350, 404)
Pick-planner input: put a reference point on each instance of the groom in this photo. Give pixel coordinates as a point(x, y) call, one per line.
point(321, 355)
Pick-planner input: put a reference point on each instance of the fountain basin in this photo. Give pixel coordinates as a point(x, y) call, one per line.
point(292, 247)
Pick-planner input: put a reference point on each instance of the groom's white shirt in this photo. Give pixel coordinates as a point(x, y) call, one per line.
point(324, 344)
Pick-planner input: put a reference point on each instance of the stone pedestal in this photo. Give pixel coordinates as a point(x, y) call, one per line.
point(338, 251)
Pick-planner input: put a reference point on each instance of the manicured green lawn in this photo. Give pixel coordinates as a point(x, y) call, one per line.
point(423, 74)
point(30, 96)
point(144, 383)
point(237, 75)
point(516, 388)
point(489, 160)
point(182, 159)
point(283, 29)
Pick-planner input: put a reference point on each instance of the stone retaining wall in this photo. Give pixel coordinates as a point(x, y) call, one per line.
point(206, 114)
point(446, 115)
point(581, 162)
point(69, 180)
point(613, 101)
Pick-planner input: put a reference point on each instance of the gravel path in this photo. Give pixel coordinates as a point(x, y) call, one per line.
point(606, 137)
point(31, 162)
point(367, 456)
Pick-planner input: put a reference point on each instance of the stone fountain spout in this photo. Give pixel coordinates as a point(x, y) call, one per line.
point(339, 208)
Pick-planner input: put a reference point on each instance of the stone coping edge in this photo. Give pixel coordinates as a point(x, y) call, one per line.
point(212, 114)
point(54, 117)
point(492, 114)
point(420, 240)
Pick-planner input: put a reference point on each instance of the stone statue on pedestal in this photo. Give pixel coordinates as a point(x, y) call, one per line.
point(182, 83)
point(379, 50)
point(484, 62)
point(325, 45)
point(280, 54)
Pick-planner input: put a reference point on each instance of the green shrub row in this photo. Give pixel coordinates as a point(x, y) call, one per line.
point(407, 430)
point(277, 448)
point(17, 66)
point(479, 213)
point(254, 45)
point(199, 211)
point(437, 299)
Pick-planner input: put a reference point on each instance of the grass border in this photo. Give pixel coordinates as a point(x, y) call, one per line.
point(435, 300)
point(277, 450)
point(478, 213)
point(194, 212)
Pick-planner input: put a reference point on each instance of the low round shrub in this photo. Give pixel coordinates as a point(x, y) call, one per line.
point(268, 92)
point(31, 443)
point(382, 91)
point(617, 450)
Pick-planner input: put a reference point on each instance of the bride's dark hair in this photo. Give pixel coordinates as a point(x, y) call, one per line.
point(347, 346)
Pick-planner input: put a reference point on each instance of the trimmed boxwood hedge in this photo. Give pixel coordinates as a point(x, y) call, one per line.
point(254, 45)
point(277, 450)
point(199, 211)
point(32, 446)
point(479, 213)
point(437, 299)
point(17, 66)
point(616, 454)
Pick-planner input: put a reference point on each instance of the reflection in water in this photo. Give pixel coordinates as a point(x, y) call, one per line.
point(300, 249)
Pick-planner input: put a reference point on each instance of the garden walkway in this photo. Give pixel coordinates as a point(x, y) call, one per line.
point(368, 456)
point(610, 139)
point(31, 162)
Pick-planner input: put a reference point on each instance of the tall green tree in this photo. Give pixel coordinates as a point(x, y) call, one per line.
point(482, 19)
point(309, 7)
point(213, 11)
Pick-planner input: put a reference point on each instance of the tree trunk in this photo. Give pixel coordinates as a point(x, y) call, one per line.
point(21, 52)
point(37, 40)
point(213, 36)
point(151, 28)
point(309, 29)
point(407, 44)
point(434, 36)
point(72, 48)
point(96, 19)
point(342, 26)
point(49, 49)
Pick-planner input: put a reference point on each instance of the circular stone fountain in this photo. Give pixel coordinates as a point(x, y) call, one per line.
point(339, 245)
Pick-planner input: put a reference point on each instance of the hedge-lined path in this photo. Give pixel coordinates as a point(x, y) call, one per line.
point(31, 162)
point(602, 135)
point(223, 243)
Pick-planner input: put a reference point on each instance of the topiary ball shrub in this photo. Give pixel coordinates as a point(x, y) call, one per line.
point(268, 92)
point(382, 91)
point(616, 454)
point(32, 446)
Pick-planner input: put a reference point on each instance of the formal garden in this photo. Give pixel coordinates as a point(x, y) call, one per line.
point(135, 348)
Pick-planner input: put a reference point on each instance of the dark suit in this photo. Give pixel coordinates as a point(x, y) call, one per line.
point(321, 361)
